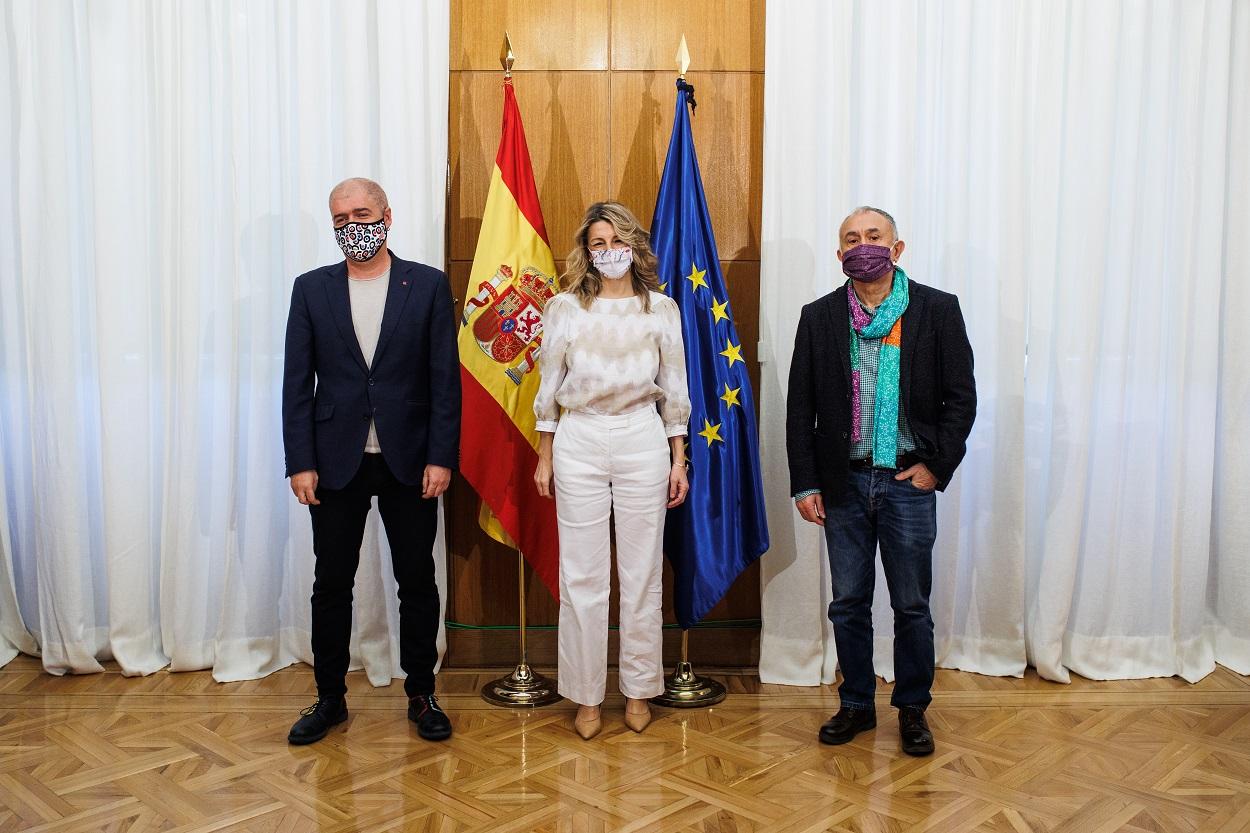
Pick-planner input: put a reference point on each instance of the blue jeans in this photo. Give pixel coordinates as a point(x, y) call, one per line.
point(877, 509)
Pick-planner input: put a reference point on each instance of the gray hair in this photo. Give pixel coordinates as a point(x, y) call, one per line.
point(864, 209)
point(371, 188)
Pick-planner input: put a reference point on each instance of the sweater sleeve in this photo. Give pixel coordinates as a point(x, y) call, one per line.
point(551, 366)
point(675, 407)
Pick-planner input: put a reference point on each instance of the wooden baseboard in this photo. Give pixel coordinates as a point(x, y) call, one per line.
point(719, 647)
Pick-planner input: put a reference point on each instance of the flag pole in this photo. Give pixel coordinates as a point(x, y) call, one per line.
point(524, 687)
point(685, 689)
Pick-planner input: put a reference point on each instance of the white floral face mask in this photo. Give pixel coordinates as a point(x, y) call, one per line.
point(612, 263)
point(361, 241)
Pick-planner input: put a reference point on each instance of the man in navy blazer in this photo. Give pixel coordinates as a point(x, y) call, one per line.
point(371, 406)
point(881, 402)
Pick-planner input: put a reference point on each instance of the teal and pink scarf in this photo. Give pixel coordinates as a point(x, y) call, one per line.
point(886, 324)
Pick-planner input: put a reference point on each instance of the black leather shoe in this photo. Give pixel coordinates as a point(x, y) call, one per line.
point(914, 731)
point(317, 720)
point(432, 722)
point(846, 724)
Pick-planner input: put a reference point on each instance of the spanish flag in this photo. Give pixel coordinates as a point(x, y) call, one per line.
point(500, 336)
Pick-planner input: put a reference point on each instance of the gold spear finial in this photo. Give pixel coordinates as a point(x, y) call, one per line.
point(506, 58)
point(683, 58)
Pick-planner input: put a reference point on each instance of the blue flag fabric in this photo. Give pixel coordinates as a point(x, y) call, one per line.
point(721, 528)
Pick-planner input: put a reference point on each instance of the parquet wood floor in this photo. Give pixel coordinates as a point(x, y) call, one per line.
point(179, 753)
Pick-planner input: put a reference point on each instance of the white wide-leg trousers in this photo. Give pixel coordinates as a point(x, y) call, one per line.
point(605, 466)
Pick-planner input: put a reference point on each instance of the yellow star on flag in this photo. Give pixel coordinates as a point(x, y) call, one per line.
point(711, 432)
point(696, 278)
point(664, 287)
point(730, 397)
point(733, 352)
point(718, 310)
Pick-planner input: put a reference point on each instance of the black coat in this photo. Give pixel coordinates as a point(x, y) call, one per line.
point(937, 392)
point(411, 392)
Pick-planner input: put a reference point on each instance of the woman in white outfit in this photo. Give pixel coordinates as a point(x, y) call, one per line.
point(612, 410)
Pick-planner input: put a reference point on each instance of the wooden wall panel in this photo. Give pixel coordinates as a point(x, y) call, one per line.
point(595, 83)
point(722, 35)
point(551, 34)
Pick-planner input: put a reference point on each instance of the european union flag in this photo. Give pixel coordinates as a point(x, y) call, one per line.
point(721, 528)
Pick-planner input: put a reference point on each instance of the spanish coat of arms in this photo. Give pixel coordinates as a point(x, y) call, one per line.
point(511, 321)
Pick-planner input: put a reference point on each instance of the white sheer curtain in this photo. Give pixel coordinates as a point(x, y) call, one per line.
point(169, 167)
point(1077, 174)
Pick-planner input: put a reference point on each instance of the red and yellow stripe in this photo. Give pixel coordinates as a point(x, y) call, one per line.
point(499, 444)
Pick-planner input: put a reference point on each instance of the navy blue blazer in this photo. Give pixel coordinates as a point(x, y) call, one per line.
point(412, 391)
point(936, 388)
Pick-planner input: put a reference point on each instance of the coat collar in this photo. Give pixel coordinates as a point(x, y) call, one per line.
point(396, 297)
point(836, 316)
point(911, 335)
point(836, 311)
point(339, 296)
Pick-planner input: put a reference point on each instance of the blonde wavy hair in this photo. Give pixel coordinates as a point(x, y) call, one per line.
point(583, 281)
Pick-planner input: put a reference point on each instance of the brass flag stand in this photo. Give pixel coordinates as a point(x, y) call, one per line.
point(524, 687)
point(686, 689)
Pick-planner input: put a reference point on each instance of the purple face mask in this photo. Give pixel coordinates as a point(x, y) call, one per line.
point(867, 263)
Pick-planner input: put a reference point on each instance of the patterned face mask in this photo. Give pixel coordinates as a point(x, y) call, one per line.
point(612, 263)
point(361, 241)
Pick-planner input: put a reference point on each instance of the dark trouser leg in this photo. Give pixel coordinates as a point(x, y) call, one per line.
point(907, 528)
point(850, 531)
point(338, 527)
point(411, 525)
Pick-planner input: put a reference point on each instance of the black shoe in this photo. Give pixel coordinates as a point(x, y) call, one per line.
point(914, 731)
point(317, 720)
point(846, 724)
point(432, 722)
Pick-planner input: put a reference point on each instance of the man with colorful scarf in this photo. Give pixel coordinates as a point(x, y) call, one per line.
point(881, 402)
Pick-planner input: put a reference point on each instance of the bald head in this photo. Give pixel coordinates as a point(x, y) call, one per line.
point(364, 187)
point(868, 225)
point(869, 217)
point(358, 200)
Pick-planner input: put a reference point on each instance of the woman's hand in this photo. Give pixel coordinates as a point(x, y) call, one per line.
point(678, 485)
point(542, 476)
point(543, 472)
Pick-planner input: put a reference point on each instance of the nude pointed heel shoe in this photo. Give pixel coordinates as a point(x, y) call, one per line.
point(588, 727)
point(637, 720)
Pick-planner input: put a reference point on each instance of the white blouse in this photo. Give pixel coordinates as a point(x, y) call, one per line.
point(612, 359)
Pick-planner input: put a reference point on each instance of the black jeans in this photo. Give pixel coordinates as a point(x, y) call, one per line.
point(338, 528)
